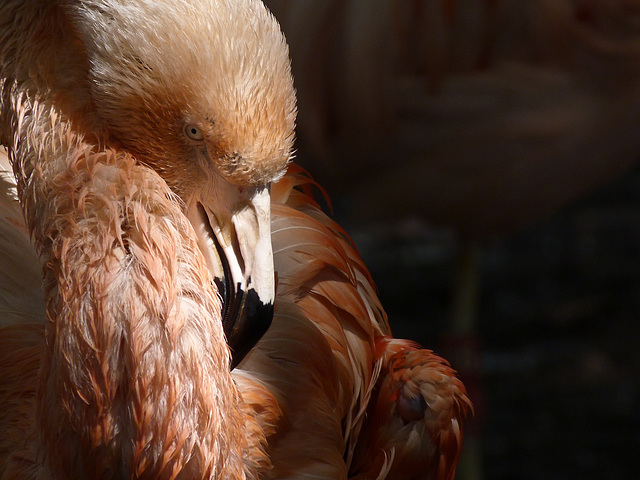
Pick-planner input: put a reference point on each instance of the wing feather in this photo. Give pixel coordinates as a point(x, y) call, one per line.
point(334, 368)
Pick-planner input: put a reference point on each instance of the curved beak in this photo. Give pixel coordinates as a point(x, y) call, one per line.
point(233, 226)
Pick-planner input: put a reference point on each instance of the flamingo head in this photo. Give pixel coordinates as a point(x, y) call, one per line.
point(201, 91)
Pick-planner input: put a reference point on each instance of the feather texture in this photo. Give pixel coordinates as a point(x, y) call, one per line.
point(118, 368)
point(132, 321)
point(322, 385)
point(330, 340)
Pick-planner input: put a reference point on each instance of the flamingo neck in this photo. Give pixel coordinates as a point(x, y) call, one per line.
point(135, 380)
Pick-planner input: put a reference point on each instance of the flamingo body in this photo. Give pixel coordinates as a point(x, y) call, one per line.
point(335, 345)
point(155, 234)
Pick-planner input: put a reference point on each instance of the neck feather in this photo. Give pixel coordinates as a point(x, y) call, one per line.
point(135, 381)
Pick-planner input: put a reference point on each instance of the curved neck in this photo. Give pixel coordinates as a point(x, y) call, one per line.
point(135, 378)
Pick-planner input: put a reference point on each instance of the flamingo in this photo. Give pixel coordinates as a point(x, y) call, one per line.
point(149, 143)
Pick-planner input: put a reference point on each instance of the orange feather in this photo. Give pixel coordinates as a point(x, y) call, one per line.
point(324, 382)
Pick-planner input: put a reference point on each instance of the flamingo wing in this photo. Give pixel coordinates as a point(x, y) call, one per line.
point(336, 373)
point(416, 416)
point(317, 357)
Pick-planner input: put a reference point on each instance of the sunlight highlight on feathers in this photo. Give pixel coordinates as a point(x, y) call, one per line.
point(128, 374)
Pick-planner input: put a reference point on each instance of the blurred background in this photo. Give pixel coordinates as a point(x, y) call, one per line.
point(483, 154)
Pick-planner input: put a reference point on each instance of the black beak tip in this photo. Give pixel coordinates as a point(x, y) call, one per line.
point(246, 321)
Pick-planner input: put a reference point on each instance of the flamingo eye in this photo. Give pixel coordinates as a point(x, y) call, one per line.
point(193, 132)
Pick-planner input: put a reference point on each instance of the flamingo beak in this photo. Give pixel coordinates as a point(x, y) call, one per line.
point(235, 237)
